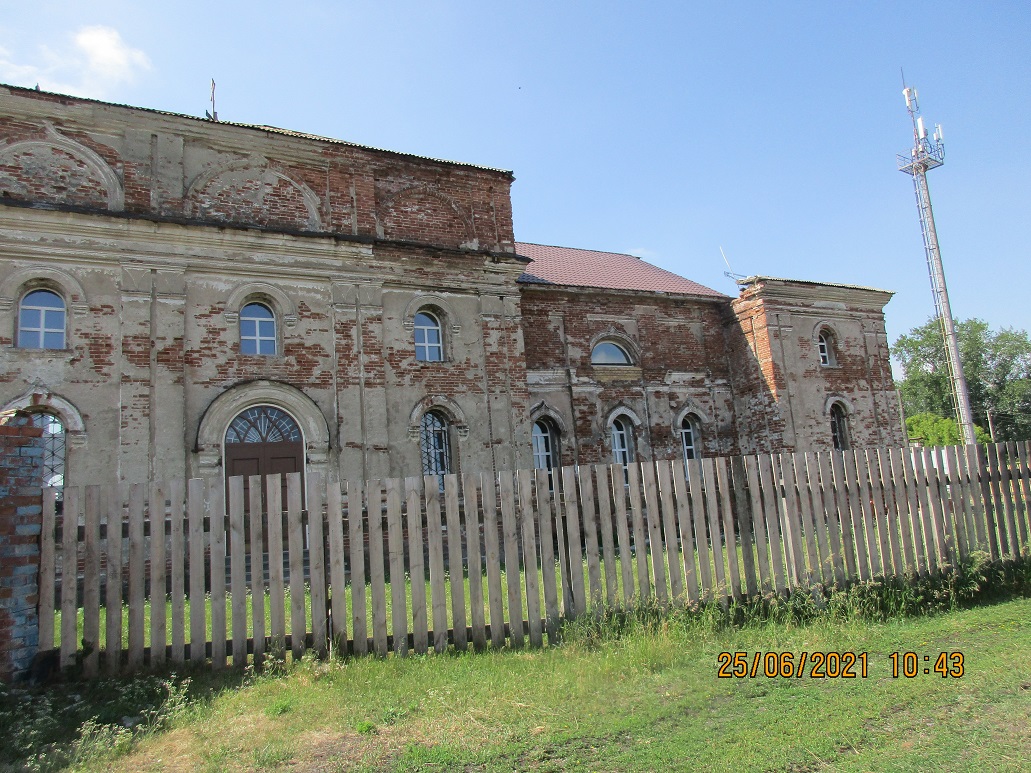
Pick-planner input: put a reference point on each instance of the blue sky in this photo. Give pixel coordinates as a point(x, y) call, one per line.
point(659, 128)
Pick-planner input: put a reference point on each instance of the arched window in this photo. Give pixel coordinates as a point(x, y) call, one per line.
point(545, 445)
point(839, 428)
point(608, 353)
point(257, 329)
point(690, 437)
point(41, 321)
point(825, 345)
point(53, 448)
point(263, 424)
point(429, 344)
point(622, 441)
point(435, 445)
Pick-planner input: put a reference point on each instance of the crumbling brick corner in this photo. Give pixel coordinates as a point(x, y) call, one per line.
point(21, 515)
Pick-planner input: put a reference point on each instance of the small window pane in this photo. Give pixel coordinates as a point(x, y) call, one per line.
point(257, 330)
point(689, 438)
point(428, 346)
point(607, 353)
point(53, 448)
point(41, 321)
point(435, 446)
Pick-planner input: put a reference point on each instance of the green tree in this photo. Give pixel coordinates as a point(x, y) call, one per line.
point(997, 366)
point(934, 430)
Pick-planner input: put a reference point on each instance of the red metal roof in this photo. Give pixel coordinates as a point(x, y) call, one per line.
point(607, 270)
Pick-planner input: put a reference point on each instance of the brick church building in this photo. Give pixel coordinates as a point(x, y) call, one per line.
point(184, 297)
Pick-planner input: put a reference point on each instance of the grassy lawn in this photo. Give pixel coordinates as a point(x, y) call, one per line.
point(644, 698)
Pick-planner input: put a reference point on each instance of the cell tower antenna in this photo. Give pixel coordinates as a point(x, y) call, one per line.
point(929, 153)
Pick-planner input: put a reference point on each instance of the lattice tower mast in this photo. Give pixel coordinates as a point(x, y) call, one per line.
point(929, 153)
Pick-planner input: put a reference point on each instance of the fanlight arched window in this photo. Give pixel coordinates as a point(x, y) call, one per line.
point(263, 424)
point(53, 448)
point(429, 343)
point(545, 445)
point(622, 433)
point(41, 321)
point(825, 345)
point(608, 353)
point(435, 445)
point(690, 437)
point(257, 329)
point(839, 428)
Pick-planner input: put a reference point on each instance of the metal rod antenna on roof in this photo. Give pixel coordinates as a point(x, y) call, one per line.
point(213, 115)
point(730, 273)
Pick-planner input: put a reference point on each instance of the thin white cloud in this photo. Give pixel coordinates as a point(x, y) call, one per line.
point(95, 62)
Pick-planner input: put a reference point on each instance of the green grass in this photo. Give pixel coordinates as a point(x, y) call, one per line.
point(627, 690)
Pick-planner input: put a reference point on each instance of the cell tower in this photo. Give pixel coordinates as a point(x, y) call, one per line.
point(930, 154)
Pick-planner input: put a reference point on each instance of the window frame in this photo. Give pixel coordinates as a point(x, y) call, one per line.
point(622, 440)
point(544, 432)
point(42, 330)
point(438, 460)
point(841, 439)
point(428, 346)
point(52, 448)
point(826, 347)
point(690, 425)
point(259, 323)
point(629, 360)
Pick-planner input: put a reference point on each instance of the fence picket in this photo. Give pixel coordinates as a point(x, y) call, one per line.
point(959, 522)
point(544, 507)
point(276, 561)
point(69, 579)
point(886, 486)
point(730, 540)
point(632, 474)
point(654, 522)
point(137, 575)
point(997, 523)
point(356, 537)
point(177, 546)
point(936, 494)
point(96, 499)
point(113, 596)
point(751, 471)
point(868, 510)
point(510, 532)
point(1007, 464)
point(980, 498)
point(1025, 494)
point(601, 475)
point(684, 524)
point(238, 571)
point(377, 582)
point(905, 516)
point(396, 557)
point(317, 562)
point(295, 546)
point(590, 521)
point(791, 520)
point(856, 519)
point(217, 551)
point(435, 540)
point(158, 574)
point(257, 568)
point(712, 511)
point(669, 529)
point(742, 515)
point(626, 568)
point(492, 550)
point(807, 477)
point(474, 562)
point(47, 570)
point(338, 566)
point(416, 563)
point(574, 544)
point(701, 540)
point(531, 572)
point(772, 503)
point(838, 530)
point(920, 484)
point(454, 559)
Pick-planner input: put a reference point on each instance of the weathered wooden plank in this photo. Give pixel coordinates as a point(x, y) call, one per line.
point(96, 499)
point(653, 519)
point(997, 522)
point(712, 508)
point(338, 565)
point(827, 512)
point(510, 530)
point(885, 484)
point(69, 578)
point(454, 560)
point(1024, 496)
point(742, 518)
point(671, 540)
point(356, 536)
point(562, 541)
point(238, 571)
point(858, 519)
point(531, 571)
point(840, 513)
point(615, 477)
point(1007, 463)
point(608, 547)
point(158, 574)
point(317, 562)
point(977, 465)
point(574, 543)
point(948, 553)
point(906, 517)
point(377, 582)
point(177, 546)
point(762, 541)
point(730, 539)
point(295, 544)
point(807, 477)
point(920, 486)
point(48, 570)
point(633, 477)
point(786, 509)
point(276, 576)
point(936, 495)
point(416, 563)
point(474, 559)
point(137, 574)
point(701, 539)
point(590, 520)
point(396, 554)
point(544, 508)
point(113, 600)
point(956, 503)
point(217, 552)
point(492, 551)
point(685, 521)
point(769, 483)
point(969, 496)
point(435, 541)
point(257, 547)
point(873, 550)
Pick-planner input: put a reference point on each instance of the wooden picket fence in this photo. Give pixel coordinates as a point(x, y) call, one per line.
point(170, 573)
